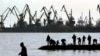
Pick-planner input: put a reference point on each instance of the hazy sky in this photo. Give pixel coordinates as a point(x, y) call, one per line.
point(78, 6)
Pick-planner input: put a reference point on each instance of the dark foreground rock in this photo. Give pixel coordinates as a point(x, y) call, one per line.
point(71, 47)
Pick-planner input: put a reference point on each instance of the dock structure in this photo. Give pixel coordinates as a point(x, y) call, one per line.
point(47, 24)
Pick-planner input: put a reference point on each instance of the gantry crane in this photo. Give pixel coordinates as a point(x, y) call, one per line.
point(7, 11)
point(71, 21)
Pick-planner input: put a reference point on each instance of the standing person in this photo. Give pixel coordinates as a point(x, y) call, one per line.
point(79, 41)
point(23, 50)
point(89, 40)
point(83, 41)
point(52, 42)
point(74, 39)
point(48, 40)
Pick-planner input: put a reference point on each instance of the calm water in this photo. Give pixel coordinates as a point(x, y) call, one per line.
point(9, 44)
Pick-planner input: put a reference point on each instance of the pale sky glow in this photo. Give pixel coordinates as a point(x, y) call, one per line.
point(77, 6)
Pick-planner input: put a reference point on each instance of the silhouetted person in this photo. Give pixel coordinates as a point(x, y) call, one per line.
point(52, 42)
point(63, 42)
point(74, 39)
point(23, 50)
point(94, 41)
point(79, 41)
point(89, 40)
point(83, 41)
point(48, 40)
point(57, 42)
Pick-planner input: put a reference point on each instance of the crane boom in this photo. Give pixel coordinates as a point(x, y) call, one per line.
point(54, 11)
point(25, 9)
point(63, 7)
point(7, 10)
point(44, 8)
point(34, 16)
point(52, 8)
point(6, 16)
point(55, 15)
point(16, 10)
point(30, 16)
point(29, 10)
point(41, 15)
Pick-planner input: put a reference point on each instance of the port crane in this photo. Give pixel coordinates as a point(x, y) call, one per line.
point(6, 12)
point(59, 22)
point(71, 21)
point(23, 14)
point(55, 13)
point(47, 15)
point(36, 21)
point(30, 15)
point(20, 16)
